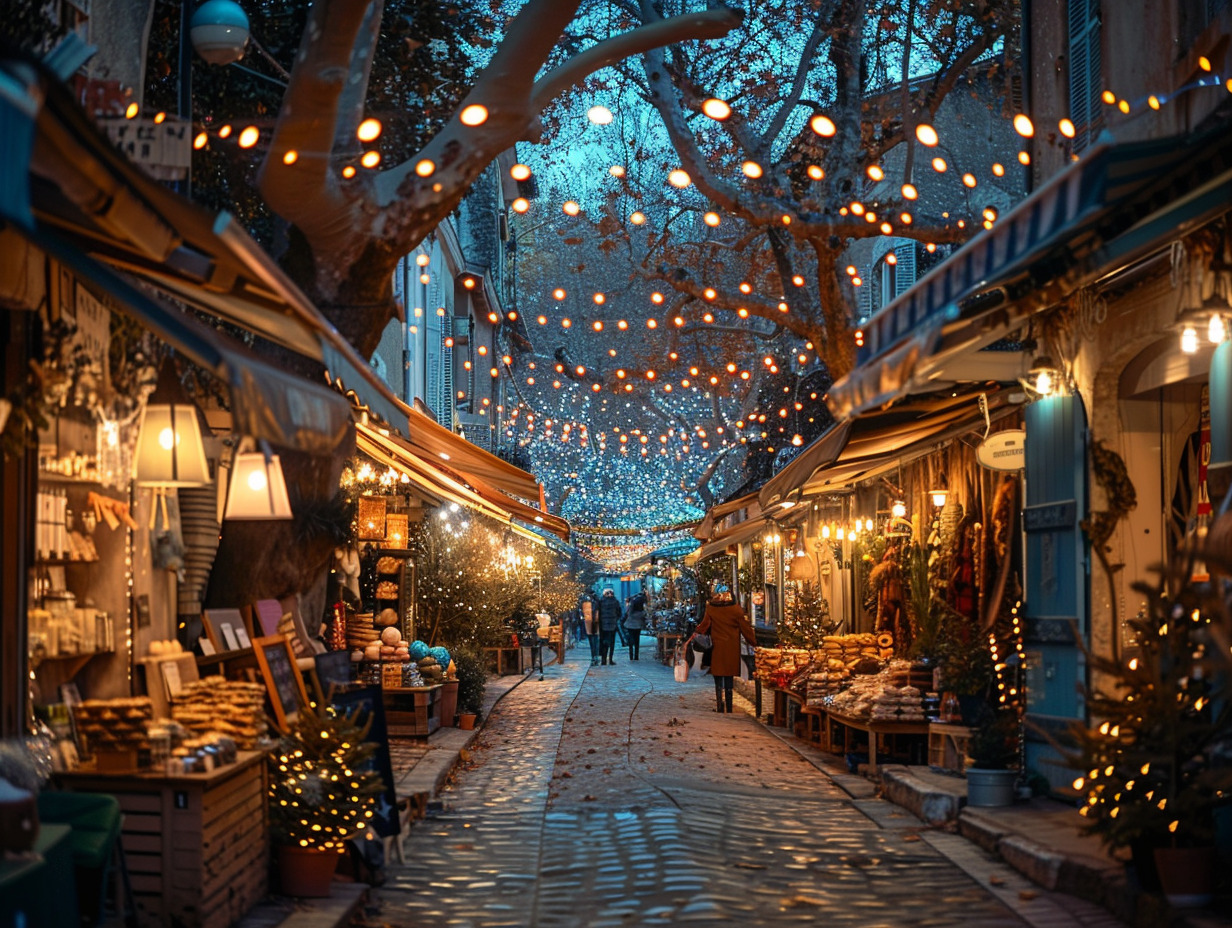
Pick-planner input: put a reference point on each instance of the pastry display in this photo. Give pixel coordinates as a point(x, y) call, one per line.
point(216, 706)
point(387, 589)
point(111, 725)
point(387, 565)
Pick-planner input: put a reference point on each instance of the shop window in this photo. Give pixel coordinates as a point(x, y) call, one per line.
point(1085, 71)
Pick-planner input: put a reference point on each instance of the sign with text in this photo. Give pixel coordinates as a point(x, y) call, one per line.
point(1003, 450)
point(162, 149)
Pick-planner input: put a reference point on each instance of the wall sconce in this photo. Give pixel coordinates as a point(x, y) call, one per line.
point(941, 494)
point(258, 490)
point(170, 452)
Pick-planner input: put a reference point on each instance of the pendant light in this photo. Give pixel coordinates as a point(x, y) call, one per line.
point(170, 451)
point(258, 490)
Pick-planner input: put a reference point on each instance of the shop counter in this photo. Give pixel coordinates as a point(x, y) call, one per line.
point(412, 711)
point(874, 729)
point(787, 705)
point(197, 844)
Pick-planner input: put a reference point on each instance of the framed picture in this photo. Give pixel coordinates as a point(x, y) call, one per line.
point(282, 678)
point(371, 518)
point(220, 626)
point(266, 614)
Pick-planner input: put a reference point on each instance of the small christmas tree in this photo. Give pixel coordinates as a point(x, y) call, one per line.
point(319, 795)
point(1148, 768)
point(809, 621)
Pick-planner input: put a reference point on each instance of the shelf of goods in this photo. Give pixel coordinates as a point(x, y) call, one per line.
point(197, 845)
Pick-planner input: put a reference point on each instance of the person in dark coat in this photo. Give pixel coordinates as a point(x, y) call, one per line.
point(726, 623)
point(609, 626)
point(635, 621)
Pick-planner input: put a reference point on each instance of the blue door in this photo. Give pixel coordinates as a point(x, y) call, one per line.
point(1057, 571)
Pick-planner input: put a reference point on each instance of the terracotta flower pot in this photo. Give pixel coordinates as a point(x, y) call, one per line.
point(1187, 874)
point(305, 871)
point(466, 720)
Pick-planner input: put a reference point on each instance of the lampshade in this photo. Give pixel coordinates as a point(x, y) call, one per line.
point(258, 489)
point(170, 452)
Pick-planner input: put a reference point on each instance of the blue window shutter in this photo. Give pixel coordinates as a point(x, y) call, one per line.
point(904, 277)
point(1085, 71)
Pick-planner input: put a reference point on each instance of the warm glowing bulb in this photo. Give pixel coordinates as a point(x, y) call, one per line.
point(1189, 340)
point(1023, 125)
point(1067, 128)
point(474, 115)
point(166, 439)
point(816, 172)
point(875, 172)
point(637, 217)
point(1043, 383)
point(939, 165)
point(1216, 331)
point(571, 208)
point(679, 178)
point(823, 125)
point(969, 180)
point(249, 136)
point(257, 480)
point(600, 115)
point(520, 205)
point(926, 134)
point(909, 192)
point(519, 172)
point(200, 140)
point(426, 167)
point(370, 159)
point(711, 219)
point(716, 109)
point(290, 157)
point(617, 170)
point(751, 169)
point(369, 130)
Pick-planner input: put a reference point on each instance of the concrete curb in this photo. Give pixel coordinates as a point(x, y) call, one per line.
point(927, 802)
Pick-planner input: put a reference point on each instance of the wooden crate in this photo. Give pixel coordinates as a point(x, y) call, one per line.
point(197, 846)
point(412, 711)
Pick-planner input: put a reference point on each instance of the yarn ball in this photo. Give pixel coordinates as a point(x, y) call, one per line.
point(419, 650)
point(441, 655)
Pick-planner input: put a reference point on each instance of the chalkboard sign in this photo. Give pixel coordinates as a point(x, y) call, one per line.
point(369, 699)
point(334, 669)
point(282, 679)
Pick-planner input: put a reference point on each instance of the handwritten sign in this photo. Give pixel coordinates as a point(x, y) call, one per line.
point(369, 699)
point(282, 679)
point(334, 669)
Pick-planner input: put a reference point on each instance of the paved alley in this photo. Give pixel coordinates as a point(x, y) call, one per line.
point(613, 796)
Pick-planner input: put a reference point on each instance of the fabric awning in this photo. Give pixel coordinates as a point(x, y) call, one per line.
point(1118, 203)
point(433, 441)
point(705, 527)
point(476, 493)
point(822, 451)
point(62, 173)
point(880, 442)
point(738, 534)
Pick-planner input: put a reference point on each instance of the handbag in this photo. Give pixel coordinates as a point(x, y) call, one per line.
point(702, 642)
point(680, 667)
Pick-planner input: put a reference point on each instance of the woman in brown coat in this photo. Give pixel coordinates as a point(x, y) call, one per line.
point(726, 623)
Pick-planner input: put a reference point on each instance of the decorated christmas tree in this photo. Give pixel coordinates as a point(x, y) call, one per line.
point(320, 795)
point(1149, 766)
point(805, 624)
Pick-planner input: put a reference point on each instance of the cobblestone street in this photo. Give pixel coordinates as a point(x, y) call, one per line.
point(606, 796)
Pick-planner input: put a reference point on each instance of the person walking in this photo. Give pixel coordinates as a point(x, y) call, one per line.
point(609, 626)
point(588, 608)
point(635, 621)
point(726, 623)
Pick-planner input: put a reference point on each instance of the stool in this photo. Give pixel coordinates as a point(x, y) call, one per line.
point(96, 822)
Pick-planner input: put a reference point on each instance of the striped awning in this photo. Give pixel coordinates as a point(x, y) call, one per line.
point(1114, 206)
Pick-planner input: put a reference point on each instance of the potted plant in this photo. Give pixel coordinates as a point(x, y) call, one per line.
point(993, 750)
point(965, 669)
point(320, 796)
point(472, 684)
point(1150, 774)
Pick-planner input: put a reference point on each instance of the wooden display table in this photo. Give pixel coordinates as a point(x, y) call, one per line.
point(501, 658)
point(947, 746)
point(874, 730)
point(786, 706)
point(197, 844)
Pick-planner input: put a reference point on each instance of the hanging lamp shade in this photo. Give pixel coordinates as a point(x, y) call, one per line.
point(170, 450)
point(258, 489)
